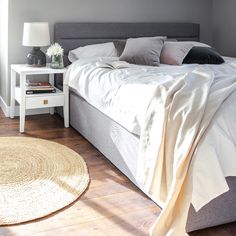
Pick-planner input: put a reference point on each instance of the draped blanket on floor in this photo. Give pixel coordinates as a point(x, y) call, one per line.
point(177, 118)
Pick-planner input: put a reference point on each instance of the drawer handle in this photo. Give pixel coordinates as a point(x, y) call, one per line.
point(45, 102)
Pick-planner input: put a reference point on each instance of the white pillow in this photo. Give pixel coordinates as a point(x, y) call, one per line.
point(196, 44)
point(94, 50)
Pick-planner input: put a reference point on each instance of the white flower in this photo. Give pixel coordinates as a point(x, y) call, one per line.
point(55, 50)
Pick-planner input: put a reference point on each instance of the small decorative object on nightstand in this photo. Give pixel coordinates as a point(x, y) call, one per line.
point(36, 35)
point(55, 52)
point(38, 100)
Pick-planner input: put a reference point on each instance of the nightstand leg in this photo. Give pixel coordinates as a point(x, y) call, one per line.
point(51, 81)
point(13, 86)
point(22, 102)
point(66, 105)
point(22, 119)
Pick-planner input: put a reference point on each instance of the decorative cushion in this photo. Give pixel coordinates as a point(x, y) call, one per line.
point(120, 46)
point(173, 53)
point(143, 51)
point(203, 55)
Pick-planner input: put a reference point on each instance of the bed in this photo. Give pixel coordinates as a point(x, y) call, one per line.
point(93, 124)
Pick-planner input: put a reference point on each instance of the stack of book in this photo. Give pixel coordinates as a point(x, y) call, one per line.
point(39, 87)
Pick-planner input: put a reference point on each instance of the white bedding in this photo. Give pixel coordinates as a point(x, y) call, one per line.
point(124, 95)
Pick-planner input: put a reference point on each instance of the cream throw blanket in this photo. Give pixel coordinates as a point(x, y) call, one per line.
point(177, 117)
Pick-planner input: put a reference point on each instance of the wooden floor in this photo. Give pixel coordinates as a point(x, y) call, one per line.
point(112, 205)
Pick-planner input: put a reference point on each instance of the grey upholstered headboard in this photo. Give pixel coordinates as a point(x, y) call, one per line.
point(73, 35)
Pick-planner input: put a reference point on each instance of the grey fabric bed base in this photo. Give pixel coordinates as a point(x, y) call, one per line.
point(106, 135)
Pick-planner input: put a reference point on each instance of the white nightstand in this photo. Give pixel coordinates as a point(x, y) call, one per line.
point(45, 100)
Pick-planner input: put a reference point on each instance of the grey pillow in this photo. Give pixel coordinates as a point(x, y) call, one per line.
point(120, 46)
point(143, 51)
point(173, 53)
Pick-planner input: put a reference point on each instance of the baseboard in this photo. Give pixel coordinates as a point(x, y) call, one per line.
point(4, 107)
point(6, 110)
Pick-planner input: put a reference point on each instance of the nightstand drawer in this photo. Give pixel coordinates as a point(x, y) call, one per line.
point(44, 101)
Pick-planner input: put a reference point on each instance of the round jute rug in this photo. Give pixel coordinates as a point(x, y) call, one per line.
point(37, 178)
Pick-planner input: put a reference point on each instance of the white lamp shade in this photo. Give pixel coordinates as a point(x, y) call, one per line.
point(36, 34)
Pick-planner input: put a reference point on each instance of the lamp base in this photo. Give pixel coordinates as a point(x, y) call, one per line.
point(36, 58)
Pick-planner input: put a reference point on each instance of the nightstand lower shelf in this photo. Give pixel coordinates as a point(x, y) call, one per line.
point(43, 100)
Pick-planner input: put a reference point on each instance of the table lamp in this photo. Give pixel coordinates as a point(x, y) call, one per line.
point(36, 35)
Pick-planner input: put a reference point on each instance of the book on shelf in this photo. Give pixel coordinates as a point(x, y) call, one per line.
point(37, 91)
point(38, 84)
point(39, 87)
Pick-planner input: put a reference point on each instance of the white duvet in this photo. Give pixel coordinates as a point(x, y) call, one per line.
point(125, 96)
point(122, 94)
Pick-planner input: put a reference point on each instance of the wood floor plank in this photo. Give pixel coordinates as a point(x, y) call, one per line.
point(112, 205)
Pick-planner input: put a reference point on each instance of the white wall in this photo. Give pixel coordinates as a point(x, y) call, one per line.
point(224, 26)
point(20, 11)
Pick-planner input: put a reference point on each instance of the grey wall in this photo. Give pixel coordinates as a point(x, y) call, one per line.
point(20, 11)
point(0, 32)
point(4, 49)
point(224, 26)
